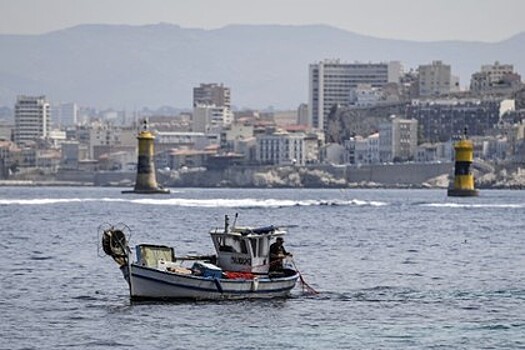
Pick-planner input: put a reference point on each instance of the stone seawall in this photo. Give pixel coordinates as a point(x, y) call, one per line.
point(311, 176)
point(397, 174)
point(501, 175)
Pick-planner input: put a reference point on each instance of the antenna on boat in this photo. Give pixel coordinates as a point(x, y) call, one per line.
point(235, 220)
point(226, 223)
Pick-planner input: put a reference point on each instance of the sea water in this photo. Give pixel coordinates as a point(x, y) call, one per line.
point(395, 269)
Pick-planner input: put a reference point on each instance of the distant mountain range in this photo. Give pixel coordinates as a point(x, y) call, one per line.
point(130, 67)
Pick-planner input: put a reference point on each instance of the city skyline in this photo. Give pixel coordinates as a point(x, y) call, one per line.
point(468, 20)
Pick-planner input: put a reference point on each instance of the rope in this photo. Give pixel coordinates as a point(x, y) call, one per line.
point(306, 287)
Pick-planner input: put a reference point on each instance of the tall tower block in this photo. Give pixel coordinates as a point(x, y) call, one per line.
point(463, 177)
point(146, 182)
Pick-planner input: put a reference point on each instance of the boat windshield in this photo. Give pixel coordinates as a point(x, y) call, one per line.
point(260, 246)
point(233, 244)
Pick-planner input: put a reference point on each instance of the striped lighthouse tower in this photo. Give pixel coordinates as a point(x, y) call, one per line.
point(463, 177)
point(146, 182)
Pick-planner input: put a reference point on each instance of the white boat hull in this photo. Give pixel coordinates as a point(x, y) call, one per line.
point(150, 283)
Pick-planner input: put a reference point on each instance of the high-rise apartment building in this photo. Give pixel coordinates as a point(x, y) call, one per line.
point(331, 83)
point(211, 118)
point(32, 119)
point(212, 94)
point(211, 107)
point(435, 79)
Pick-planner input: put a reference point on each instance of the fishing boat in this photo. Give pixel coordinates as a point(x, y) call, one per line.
point(240, 269)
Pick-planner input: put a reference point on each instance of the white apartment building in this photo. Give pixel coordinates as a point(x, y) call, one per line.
point(211, 118)
point(331, 82)
point(165, 140)
point(281, 148)
point(234, 133)
point(362, 150)
point(398, 140)
point(32, 119)
point(101, 139)
point(435, 79)
point(106, 139)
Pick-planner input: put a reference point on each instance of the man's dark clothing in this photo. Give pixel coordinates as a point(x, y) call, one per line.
point(277, 252)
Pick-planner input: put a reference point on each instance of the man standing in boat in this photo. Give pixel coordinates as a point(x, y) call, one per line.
point(277, 254)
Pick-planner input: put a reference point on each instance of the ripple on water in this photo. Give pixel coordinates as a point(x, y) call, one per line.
point(393, 271)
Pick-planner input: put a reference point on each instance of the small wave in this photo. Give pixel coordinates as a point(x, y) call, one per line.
point(85, 297)
point(368, 203)
point(204, 203)
point(46, 201)
point(98, 343)
point(253, 203)
point(460, 205)
point(494, 327)
point(40, 258)
point(37, 201)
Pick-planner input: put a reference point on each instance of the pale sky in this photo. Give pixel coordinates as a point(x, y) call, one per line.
point(423, 20)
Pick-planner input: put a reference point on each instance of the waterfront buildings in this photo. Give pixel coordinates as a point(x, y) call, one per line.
point(281, 148)
point(211, 118)
point(233, 136)
point(362, 150)
point(435, 79)
point(211, 107)
point(495, 78)
point(105, 139)
point(32, 119)
point(398, 140)
point(331, 83)
point(441, 119)
point(167, 140)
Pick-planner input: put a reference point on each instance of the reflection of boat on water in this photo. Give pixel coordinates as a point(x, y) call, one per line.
point(239, 270)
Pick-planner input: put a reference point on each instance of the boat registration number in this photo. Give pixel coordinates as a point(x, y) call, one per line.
point(241, 261)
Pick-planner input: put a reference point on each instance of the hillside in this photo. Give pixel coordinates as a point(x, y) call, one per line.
point(133, 66)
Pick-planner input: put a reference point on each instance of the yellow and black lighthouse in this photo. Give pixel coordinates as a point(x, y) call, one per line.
point(146, 182)
point(463, 177)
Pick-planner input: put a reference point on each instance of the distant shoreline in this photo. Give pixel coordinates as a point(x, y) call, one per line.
point(31, 183)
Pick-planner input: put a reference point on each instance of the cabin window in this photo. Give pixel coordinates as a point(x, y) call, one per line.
point(232, 244)
point(253, 241)
point(244, 249)
point(263, 247)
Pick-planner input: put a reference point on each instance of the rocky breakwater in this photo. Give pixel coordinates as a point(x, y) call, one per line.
point(503, 178)
point(381, 176)
point(264, 177)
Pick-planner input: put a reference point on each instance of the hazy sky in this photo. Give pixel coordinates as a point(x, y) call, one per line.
point(426, 20)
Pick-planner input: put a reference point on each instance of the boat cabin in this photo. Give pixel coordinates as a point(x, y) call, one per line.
point(245, 249)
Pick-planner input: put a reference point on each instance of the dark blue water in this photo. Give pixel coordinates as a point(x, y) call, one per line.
point(396, 269)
